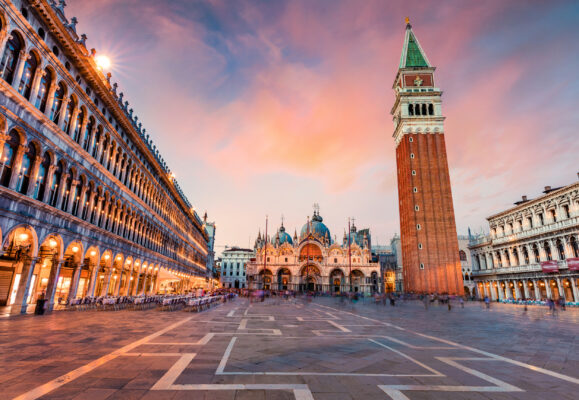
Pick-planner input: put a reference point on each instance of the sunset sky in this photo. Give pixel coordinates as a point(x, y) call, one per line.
point(266, 107)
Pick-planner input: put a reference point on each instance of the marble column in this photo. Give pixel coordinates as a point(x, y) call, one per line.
point(74, 283)
point(560, 288)
point(33, 181)
point(48, 178)
point(71, 196)
point(50, 98)
point(20, 304)
point(548, 288)
point(526, 289)
point(517, 290)
point(61, 189)
point(574, 287)
point(16, 166)
point(73, 122)
point(501, 290)
point(52, 284)
point(94, 275)
point(22, 58)
point(107, 282)
point(537, 290)
point(135, 290)
point(40, 73)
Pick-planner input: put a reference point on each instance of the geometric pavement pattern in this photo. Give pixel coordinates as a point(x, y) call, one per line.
point(290, 349)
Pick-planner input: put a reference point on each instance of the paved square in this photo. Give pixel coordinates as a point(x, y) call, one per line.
point(278, 350)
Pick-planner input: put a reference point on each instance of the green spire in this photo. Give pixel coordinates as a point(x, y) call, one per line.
point(412, 54)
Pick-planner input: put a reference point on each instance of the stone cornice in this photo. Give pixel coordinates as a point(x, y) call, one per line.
point(535, 202)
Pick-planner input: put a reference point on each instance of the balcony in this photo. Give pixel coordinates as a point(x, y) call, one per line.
point(517, 269)
point(538, 230)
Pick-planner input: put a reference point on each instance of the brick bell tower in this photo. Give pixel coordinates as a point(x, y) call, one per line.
point(427, 227)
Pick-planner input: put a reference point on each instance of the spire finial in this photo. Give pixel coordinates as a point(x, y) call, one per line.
point(407, 21)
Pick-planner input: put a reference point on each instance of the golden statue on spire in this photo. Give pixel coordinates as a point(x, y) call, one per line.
point(407, 21)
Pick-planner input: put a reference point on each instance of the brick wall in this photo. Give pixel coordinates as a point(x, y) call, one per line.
point(437, 233)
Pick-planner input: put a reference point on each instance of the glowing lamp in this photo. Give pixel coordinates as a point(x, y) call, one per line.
point(52, 243)
point(93, 253)
point(107, 256)
point(74, 249)
point(23, 237)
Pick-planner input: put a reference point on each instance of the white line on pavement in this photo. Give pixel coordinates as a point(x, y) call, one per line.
point(66, 378)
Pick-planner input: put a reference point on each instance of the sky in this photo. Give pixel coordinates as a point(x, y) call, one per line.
point(267, 107)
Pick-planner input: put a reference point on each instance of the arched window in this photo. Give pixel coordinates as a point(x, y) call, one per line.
point(117, 163)
point(431, 109)
point(516, 257)
point(416, 109)
point(57, 103)
point(462, 255)
point(24, 173)
point(424, 111)
point(54, 184)
point(70, 107)
point(78, 125)
point(30, 67)
point(42, 96)
point(574, 246)
point(86, 141)
point(66, 194)
point(8, 156)
point(560, 249)
point(96, 141)
point(76, 196)
point(86, 201)
point(526, 255)
point(94, 211)
point(410, 109)
point(536, 253)
point(104, 152)
point(547, 249)
point(110, 159)
point(40, 185)
point(10, 57)
point(127, 173)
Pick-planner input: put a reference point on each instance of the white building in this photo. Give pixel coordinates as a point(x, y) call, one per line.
point(532, 251)
point(234, 267)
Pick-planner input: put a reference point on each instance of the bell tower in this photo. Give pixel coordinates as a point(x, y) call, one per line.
point(430, 256)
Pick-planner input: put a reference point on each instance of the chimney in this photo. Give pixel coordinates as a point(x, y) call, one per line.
point(524, 198)
point(547, 188)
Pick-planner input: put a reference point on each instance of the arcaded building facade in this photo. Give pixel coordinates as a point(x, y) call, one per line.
point(532, 251)
point(313, 261)
point(88, 207)
point(427, 226)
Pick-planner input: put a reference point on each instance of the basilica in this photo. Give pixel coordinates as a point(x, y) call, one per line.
point(313, 261)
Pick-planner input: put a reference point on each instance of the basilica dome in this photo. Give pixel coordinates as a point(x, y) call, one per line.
point(284, 237)
point(317, 228)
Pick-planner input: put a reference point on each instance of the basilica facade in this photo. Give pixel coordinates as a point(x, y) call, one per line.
point(313, 261)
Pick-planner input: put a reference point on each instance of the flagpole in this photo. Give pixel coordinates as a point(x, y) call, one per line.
point(265, 254)
point(349, 256)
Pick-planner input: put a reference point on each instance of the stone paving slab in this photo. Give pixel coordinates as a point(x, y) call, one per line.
point(286, 350)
